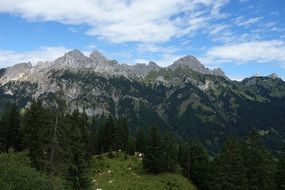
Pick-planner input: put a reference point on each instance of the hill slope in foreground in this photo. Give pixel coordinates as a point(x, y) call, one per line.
point(127, 173)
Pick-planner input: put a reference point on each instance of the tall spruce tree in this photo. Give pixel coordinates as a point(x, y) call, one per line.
point(280, 173)
point(77, 163)
point(169, 153)
point(122, 134)
point(195, 163)
point(131, 148)
point(230, 172)
point(86, 132)
point(10, 136)
point(152, 155)
point(93, 136)
point(107, 136)
point(259, 163)
point(37, 135)
point(140, 140)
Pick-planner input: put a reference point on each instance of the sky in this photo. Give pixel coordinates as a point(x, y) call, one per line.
point(243, 37)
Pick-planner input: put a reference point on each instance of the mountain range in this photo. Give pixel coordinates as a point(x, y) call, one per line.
point(185, 97)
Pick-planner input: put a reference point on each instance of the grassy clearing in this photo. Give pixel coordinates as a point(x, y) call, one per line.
point(126, 173)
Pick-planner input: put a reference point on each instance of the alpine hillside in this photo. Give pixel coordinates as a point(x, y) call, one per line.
point(185, 97)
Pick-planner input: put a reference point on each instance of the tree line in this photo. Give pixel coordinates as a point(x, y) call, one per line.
point(62, 144)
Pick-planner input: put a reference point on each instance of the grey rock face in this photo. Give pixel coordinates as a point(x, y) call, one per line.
point(273, 76)
point(143, 69)
point(97, 57)
point(75, 60)
point(189, 61)
point(17, 72)
point(72, 59)
point(194, 64)
point(218, 72)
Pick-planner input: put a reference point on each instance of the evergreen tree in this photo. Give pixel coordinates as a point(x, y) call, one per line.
point(230, 172)
point(259, 163)
point(107, 136)
point(169, 153)
point(195, 162)
point(152, 155)
point(131, 146)
point(93, 136)
point(60, 142)
point(86, 134)
point(77, 165)
point(113, 134)
point(140, 140)
point(37, 135)
point(99, 130)
point(122, 134)
point(280, 173)
point(10, 136)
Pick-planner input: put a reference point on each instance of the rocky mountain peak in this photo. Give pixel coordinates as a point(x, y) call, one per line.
point(75, 53)
point(273, 76)
point(97, 57)
point(72, 59)
point(153, 65)
point(16, 72)
point(191, 62)
point(194, 64)
point(218, 72)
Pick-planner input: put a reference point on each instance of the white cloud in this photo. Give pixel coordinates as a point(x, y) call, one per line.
point(241, 53)
point(247, 22)
point(217, 29)
point(123, 20)
point(9, 58)
point(221, 33)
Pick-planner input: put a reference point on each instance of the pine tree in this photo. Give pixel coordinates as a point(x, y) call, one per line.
point(77, 163)
point(107, 136)
point(37, 135)
point(195, 162)
point(140, 140)
point(86, 134)
point(230, 172)
point(259, 163)
point(280, 173)
point(122, 135)
point(152, 156)
point(93, 136)
point(131, 146)
point(169, 153)
point(10, 136)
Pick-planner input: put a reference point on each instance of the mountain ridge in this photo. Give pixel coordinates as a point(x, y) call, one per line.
point(204, 105)
point(99, 63)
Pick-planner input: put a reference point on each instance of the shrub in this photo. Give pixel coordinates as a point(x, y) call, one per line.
point(16, 173)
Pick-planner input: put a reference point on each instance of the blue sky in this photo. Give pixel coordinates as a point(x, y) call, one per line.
point(243, 37)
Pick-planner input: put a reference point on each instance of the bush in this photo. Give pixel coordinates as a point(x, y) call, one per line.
point(16, 173)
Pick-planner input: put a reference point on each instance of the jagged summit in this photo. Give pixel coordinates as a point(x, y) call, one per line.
point(16, 72)
point(98, 57)
point(72, 59)
point(75, 53)
point(142, 68)
point(153, 64)
point(190, 61)
point(218, 72)
point(273, 76)
point(194, 64)
point(97, 62)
